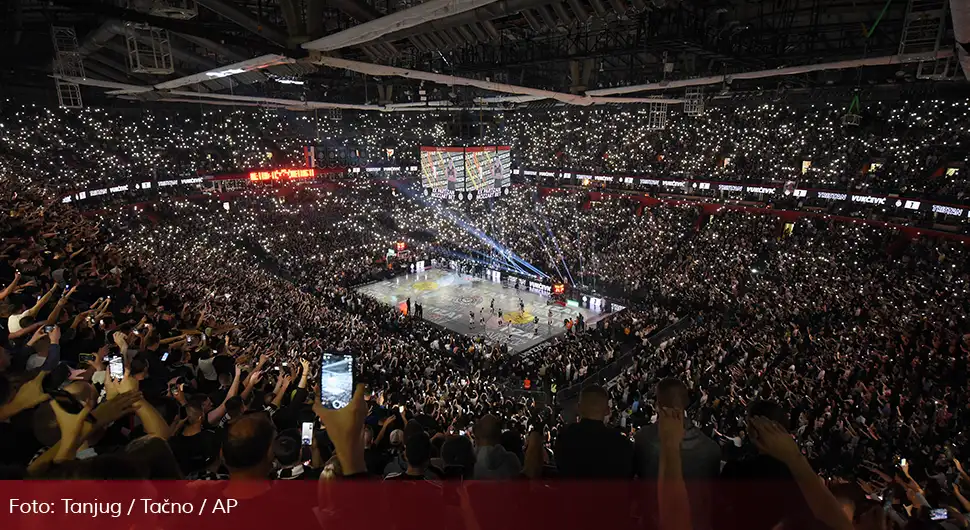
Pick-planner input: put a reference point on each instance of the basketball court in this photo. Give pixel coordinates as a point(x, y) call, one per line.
point(448, 297)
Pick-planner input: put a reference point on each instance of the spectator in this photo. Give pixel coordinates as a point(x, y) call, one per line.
point(590, 449)
point(492, 461)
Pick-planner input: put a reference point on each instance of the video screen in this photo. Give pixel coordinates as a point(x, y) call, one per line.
point(481, 170)
point(443, 168)
point(487, 167)
point(336, 380)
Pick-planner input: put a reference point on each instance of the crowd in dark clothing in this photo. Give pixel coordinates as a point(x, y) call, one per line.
point(191, 335)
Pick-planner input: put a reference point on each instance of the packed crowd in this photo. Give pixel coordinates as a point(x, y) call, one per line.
point(917, 147)
point(184, 341)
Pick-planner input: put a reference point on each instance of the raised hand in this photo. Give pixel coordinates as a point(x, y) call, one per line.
point(27, 397)
point(671, 426)
point(71, 426)
point(772, 439)
point(344, 427)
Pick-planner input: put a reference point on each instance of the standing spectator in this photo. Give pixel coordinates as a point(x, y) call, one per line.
point(700, 456)
point(590, 449)
point(492, 460)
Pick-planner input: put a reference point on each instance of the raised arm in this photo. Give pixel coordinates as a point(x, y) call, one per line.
point(216, 414)
point(772, 439)
point(671, 489)
point(12, 287)
point(42, 302)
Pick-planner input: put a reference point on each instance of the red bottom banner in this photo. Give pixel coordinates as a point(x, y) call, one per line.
point(375, 505)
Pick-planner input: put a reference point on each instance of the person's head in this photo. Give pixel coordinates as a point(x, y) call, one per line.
point(488, 431)
point(153, 458)
point(287, 449)
point(248, 449)
point(672, 393)
point(26, 321)
point(397, 438)
point(417, 452)
point(235, 407)
point(139, 367)
point(457, 451)
point(194, 408)
point(594, 403)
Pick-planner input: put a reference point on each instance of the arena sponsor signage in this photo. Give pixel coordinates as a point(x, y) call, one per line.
point(283, 173)
point(759, 189)
point(195, 180)
point(67, 199)
point(118, 189)
point(537, 348)
point(703, 185)
point(581, 176)
point(730, 187)
point(82, 195)
point(530, 172)
point(650, 182)
point(547, 174)
point(832, 196)
point(800, 193)
point(540, 288)
point(389, 169)
point(516, 171)
point(164, 183)
point(948, 210)
point(95, 193)
point(146, 185)
point(868, 199)
point(567, 175)
point(674, 183)
point(910, 205)
point(603, 178)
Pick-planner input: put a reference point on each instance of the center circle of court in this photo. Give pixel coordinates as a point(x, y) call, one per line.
point(425, 286)
point(520, 317)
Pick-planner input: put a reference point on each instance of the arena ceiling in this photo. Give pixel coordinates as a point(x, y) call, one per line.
point(572, 47)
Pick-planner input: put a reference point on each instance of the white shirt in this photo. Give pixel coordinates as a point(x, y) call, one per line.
point(13, 321)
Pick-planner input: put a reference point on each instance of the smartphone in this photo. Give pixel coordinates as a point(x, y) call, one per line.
point(48, 329)
point(336, 380)
point(938, 514)
point(306, 433)
point(116, 368)
point(164, 356)
point(85, 359)
point(902, 463)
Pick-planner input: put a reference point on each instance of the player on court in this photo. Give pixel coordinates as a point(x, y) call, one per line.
point(549, 320)
point(521, 306)
point(535, 326)
point(492, 306)
point(471, 319)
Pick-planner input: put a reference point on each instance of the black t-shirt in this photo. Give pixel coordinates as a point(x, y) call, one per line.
point(195, 452)
point(590, 449)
